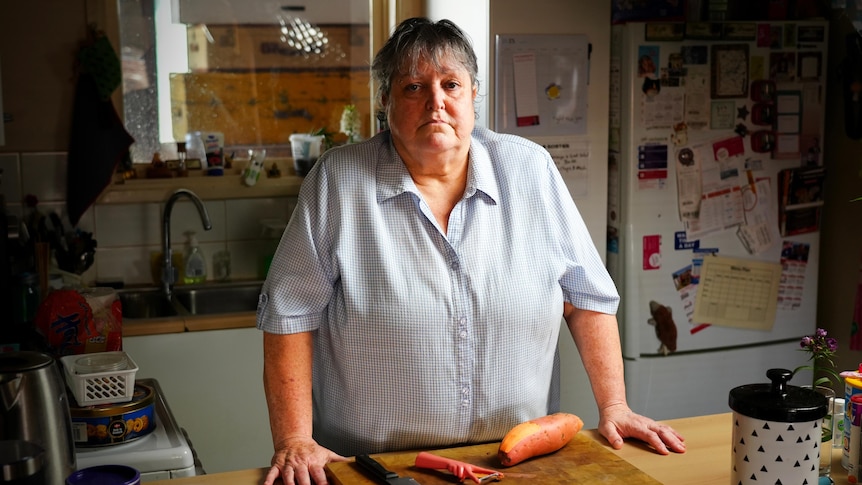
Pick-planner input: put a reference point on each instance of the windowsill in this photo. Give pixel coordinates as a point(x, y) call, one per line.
point(141, 189)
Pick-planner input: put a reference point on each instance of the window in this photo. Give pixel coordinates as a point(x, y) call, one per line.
point(255, 71)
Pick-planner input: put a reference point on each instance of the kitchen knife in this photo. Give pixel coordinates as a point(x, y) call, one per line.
point(375, 468)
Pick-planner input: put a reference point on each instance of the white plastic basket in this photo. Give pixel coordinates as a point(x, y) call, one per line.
point(104, 377)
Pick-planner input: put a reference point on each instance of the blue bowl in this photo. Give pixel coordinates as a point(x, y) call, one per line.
point(105, 475)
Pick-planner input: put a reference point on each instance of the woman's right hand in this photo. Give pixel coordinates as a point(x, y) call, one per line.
point(300, 460)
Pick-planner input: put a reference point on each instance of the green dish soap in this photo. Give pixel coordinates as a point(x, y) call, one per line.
point(196, 265)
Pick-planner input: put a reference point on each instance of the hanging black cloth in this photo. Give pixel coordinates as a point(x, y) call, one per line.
point(98, 141)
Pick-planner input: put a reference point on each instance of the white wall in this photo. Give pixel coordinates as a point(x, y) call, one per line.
point(472, 16)
point(593, 20)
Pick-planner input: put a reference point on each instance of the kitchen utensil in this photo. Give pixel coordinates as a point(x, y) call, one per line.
point(460, 469)
point(34, 407)
point(381, 473)
point(776, 431)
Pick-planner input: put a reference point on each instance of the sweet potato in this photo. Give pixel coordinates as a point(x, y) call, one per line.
point(538, 436)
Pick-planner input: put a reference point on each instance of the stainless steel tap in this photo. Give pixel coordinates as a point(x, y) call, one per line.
point(169, 273)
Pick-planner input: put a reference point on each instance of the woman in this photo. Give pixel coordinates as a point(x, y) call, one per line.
point(415, 298)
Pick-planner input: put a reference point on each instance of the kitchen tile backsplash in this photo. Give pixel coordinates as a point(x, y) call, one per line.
point(44, 175)
point(10, 183)
point(127, 234)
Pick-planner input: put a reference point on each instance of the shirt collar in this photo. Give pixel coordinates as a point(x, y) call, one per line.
point(394, 179)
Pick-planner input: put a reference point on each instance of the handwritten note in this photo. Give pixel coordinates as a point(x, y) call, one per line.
point(572, 159)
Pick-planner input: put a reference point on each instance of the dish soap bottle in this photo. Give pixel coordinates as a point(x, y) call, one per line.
point(196, 265)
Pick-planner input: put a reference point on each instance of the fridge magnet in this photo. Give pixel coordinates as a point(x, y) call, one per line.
point(790, 36)
point(729, 71)
point(764, 37)
point(728, 147)
point(651, 87)
point(811, 33)
point(679, 137)
point(809, 66)
point(675, 65)
point(665, 328)
point(697, 256)
point(794, 263)
point(800, 200)
point(665, 31)
point(776, 37)
point(681, 242)
point(786, 145)
point(694, 54)
point(722, 115)
point(745, 31)
point(782, 66)
point(648, 61)
point(757, 67)
point(763, 91)
point(763, 114)
point(703, 30)
point(762, 141)
point(652, 252)
point(652, 156)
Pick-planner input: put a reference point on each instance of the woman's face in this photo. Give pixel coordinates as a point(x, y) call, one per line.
point(431, 112)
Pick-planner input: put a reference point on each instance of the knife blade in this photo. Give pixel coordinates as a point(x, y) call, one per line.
point(381, 473)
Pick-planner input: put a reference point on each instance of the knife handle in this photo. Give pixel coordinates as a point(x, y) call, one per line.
point(375, 468)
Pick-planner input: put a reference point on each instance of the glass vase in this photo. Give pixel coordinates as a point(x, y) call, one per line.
point(826, 430)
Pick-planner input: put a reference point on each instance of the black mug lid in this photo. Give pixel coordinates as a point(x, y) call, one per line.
point(778, 401)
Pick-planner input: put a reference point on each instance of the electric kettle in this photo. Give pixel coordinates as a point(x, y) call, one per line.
point(34, 407)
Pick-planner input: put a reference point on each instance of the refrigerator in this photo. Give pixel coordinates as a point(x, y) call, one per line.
point(715, 177)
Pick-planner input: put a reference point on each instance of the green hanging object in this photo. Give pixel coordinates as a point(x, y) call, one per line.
point(99, 60)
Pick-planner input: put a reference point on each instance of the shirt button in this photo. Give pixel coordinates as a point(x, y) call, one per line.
point(455, 266)
point(463, 334)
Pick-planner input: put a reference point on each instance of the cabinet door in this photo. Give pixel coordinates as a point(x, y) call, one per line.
point(213, 383)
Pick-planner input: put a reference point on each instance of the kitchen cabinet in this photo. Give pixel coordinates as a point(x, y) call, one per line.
point(213, 383)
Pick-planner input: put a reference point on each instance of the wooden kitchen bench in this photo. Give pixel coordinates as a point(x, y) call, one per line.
point(706, 461)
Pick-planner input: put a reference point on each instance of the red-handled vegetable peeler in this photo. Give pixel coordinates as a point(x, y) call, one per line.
point(458, 468)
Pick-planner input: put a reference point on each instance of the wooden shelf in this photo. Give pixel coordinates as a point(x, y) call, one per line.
point(227, 186)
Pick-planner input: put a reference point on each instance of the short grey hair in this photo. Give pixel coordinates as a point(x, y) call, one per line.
point(421, 39)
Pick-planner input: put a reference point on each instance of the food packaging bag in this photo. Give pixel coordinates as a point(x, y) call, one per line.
point(74, 322)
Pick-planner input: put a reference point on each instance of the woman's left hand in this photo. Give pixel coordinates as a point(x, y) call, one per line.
point(618, 422)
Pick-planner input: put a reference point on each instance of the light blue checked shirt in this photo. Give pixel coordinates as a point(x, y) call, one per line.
point(424, 339)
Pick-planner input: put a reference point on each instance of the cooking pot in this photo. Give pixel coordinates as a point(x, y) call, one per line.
point(776, 431)
point(34, 407)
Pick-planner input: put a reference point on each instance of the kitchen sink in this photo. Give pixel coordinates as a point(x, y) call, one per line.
point(218, 298)
point(146, 303)
point(203, 299)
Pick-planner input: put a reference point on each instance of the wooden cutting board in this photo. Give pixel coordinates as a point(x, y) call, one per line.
point(583, 460)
